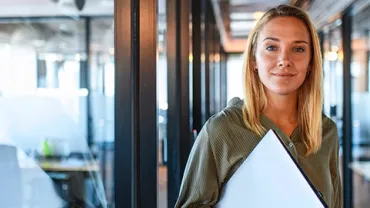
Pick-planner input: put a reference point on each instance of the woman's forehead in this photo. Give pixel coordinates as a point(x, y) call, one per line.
point(285, 28)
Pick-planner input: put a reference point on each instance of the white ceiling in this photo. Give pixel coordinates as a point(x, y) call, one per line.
point(65, 35)
point(236, 18)
point(324, 12)
point(241, 16)
point(21, 8)
point(236, 2)
point(58, 35)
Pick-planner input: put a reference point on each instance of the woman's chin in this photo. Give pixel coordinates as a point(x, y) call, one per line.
point(283, 91)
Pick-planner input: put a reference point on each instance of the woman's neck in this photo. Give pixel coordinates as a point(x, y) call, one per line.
point(282, 110)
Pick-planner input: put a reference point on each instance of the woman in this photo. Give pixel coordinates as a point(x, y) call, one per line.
point(283, 92)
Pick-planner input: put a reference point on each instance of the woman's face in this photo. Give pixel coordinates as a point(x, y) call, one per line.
point(283, 55)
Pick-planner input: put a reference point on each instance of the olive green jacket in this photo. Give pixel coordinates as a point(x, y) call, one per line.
point(224, 143)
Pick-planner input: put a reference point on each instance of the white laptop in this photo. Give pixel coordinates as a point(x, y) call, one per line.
point(270, 178)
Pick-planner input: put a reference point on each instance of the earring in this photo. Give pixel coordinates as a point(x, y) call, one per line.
point(308, 73)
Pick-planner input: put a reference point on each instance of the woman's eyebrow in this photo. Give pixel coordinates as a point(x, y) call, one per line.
point(277, 40)
point(271, 38)
point(301, 41)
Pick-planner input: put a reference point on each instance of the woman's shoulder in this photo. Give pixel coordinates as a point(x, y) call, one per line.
point(228, 137)
point(228, 124)
point(231, 116)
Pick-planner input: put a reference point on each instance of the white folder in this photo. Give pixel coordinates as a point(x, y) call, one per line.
point(270, 178)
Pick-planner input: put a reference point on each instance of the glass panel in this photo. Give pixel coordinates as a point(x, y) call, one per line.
point(102, 98)
point(333, 76)
point(162, 104)
point(360, 107)
point(56, 125)
point(333, 79)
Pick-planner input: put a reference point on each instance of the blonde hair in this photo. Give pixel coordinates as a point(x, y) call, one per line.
point(309, 94)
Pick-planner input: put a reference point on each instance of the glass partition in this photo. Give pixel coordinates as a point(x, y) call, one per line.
point(56, 103)
point(360, 107)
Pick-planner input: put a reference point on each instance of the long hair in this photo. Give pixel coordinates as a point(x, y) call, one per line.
point(309, 94)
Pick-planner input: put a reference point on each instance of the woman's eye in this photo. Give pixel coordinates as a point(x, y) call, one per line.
point(298, 49)
point(271, 48)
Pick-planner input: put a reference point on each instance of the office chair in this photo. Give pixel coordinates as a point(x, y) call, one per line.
point(11, 192)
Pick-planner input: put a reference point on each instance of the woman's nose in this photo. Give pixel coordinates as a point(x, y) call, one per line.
point(284, 60)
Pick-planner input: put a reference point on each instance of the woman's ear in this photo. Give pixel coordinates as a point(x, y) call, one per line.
point(254, 65)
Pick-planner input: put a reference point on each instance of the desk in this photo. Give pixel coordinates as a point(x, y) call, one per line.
point(72, 174)
point(68, 166)
point(361, 183)
point(361, 168)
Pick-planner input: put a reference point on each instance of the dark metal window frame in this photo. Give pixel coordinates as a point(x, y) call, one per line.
point(197, 64)
point(205, 43)
point(346, 133)
point(178, 125)
point(346, 30)
point(135, 103)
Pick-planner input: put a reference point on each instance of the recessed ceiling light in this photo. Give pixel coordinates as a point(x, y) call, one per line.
point(111, 51)
point(63, 27)
point(38, 43)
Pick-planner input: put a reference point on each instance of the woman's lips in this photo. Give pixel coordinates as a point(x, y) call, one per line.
point(283, 75)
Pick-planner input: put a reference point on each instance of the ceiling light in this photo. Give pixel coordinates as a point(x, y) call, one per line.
point(332, 56)
point(111, 51)
point(335, 48)
point(338, 22)
point(63, 27)
point(38, 43)
point(78, 57)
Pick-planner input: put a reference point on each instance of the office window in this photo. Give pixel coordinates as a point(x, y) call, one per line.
point(56, 131)
point(234, 76)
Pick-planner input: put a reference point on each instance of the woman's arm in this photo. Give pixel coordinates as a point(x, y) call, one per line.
point(200, 184)
point(337, 197)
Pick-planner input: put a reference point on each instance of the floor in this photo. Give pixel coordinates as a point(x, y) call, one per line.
point(162, 184)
